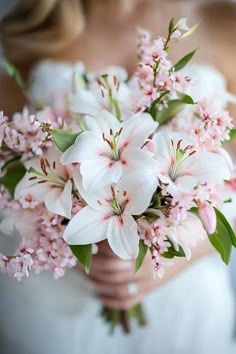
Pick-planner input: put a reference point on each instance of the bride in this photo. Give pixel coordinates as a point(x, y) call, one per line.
point(191, 309)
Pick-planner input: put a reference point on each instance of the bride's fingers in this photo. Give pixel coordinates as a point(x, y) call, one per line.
point(116, 271)
point(116, 277)
point(111, 264)
point(126, 290)
point(126, 302)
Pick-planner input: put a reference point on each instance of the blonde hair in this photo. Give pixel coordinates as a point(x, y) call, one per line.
point(37, 28)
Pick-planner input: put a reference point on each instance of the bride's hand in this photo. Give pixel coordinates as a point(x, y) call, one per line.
point(117, 285)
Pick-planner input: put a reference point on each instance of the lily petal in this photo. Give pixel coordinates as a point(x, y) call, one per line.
point(206, 167)
point(104, 172)
point(163, 152)
point(137, 129)
point(59, 201)
point(122, 236)
point(93, 199)
point(83, 149)
point(27, 186)
point(139, 190)
point(104, 122)
point(135, 159)
point(84, 102)
point(87, 226)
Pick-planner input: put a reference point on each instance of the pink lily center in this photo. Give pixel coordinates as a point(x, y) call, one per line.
point(118, 202)
point(179, 155)
point(48, 174)
point(113, 142)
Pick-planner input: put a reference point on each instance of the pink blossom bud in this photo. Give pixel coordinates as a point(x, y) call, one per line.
point(207, 215)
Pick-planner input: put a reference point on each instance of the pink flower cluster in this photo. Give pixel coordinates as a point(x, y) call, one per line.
point(213, 126)
point(44, 251)
point(154, 72)
point(28, 134)
point(207, 124)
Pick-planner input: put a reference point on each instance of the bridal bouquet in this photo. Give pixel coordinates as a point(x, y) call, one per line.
point(133, 160)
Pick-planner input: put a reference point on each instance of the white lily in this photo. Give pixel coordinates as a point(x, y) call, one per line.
point(180, 167)
point(101, 94)
point(49, 182)
point(108, 215)
point(110, 149)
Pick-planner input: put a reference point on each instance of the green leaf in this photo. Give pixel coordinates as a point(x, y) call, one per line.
point(84, 255)
point(232, 134)
point(174, 107)
point(186, 98)
point(171, 253)
point(183, 62)
point(227, 201)
point(227, 225)
point(14, 172)
point(142, 253)
point(153, 109)
point(223, 238)
point(171, 26)
point(63, 139)
point(15, 74)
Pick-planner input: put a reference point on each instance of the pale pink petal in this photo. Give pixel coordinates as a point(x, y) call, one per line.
point(163, 153)
point(94, 199)
point(137, 129)
point(84, 102)
point(189, 233)
point(135, 160)
point(53, 155)
point(138, 190)
point(104, 122)
point(206, 166)
point(59, 201)
point(88, 145)
point(122, 236)
point(100, 172)
point(31, 187)
point(88, 226)
point(182, 185)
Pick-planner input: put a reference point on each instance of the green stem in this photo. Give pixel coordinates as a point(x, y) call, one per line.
point(123, 318)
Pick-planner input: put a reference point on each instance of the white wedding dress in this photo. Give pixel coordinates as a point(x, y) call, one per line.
point(192, 313)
